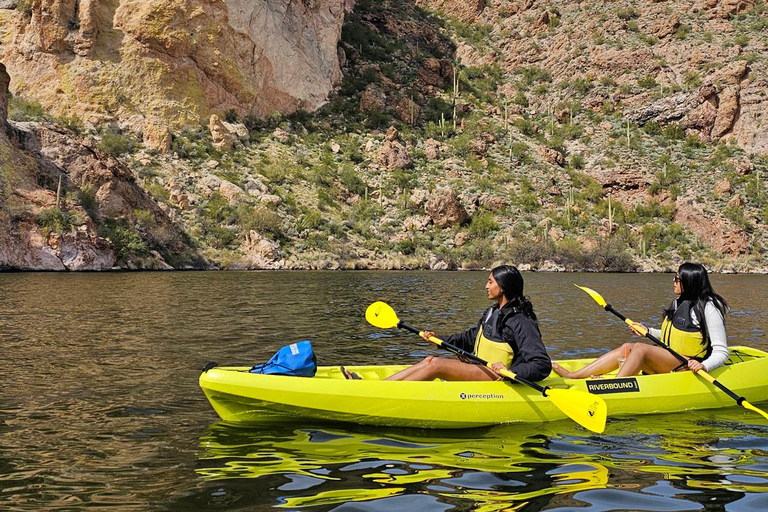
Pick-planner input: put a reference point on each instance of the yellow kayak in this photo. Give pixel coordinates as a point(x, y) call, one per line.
point(242, 397)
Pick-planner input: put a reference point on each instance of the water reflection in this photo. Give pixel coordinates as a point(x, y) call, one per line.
point(654, 463)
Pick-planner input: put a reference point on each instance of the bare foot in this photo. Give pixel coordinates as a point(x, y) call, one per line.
point(349, 375)
point(561, 371)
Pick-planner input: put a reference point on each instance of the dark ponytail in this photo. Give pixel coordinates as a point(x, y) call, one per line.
point(511, 283)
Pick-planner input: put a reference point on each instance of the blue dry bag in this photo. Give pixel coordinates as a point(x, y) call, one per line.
point(297, 359)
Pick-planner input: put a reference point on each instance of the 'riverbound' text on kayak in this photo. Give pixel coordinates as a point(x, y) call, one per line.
point(613, 386)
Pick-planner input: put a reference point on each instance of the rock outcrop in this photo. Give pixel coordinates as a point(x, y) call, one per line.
point(445, 209)
point(154, 64)
point(50, 170)
point(464, 10)
point(5, 80)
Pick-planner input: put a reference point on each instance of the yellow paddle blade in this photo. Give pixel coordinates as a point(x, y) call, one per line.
point(751, 407)
point(586, 409)
point(381, 315)
point(592, 293)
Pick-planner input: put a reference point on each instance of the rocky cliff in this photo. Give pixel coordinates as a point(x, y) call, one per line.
point(156, 66)
point(558, 135)
point(64, 205)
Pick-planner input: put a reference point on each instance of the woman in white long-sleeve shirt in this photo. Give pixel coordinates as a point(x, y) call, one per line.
point(702, 343)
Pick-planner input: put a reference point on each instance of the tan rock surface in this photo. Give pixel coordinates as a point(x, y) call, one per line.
point(176, 61)
point(464, 10)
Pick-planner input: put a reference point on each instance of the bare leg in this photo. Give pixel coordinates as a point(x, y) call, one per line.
point(407, 372)
point(603, 364)
point(432, 368)
point(648, 359)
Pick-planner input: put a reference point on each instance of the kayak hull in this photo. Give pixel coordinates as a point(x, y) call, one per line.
point(241, 397)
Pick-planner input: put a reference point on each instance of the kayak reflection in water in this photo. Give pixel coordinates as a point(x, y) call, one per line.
point(702, 343)
point(507, 334)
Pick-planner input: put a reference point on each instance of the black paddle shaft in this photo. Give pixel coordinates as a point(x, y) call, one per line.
point(473, 357)
point(739, 399)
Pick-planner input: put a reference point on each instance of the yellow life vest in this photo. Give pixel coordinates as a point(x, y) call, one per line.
point(492, 350)
point(681, 335)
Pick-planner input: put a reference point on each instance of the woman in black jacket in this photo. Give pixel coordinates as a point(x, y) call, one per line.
point(507, 335)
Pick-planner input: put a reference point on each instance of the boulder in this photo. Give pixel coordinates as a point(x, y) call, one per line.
point(445, 209)
point(435, 71)
point(723, 188)
point(221, 137)
point(432, 149)
point(373, 99)
point(394, 155)
point(661, 27)
point(260, 253)
point(408, 110)
point(550, 156)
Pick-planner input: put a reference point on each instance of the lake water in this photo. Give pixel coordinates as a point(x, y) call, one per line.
point(100, 407)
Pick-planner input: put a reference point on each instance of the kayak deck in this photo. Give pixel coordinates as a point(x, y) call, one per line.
point(242, 397)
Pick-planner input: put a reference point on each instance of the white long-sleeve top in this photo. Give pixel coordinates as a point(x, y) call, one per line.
point(716, 331)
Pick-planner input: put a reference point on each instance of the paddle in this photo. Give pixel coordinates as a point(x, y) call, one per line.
point(586, 409)
point(701, 373)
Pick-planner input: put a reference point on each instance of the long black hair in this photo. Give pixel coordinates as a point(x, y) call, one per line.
point(511, 283)
point(694, 281)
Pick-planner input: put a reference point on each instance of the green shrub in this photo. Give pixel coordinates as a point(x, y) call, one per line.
point(610, 255)
point(309, 220)
point(533, 74)
point(674, 131)
point(71, 123)
point(682, 32)
point(648, 82)
point(351, 181)
point(577, 161)
point(25, 6)
point(117, 144)
point(125, 240)
point(53, 220)
point(407, 246)
point(86, 196)
point(260, 219)
point(144, 218)
point(692, 79)
point(20, 109)
point(628, 13)
point(741, 40)
point(526, 249)
point(218, 209)
point(582, 85)
point(571, 254)
point(483, 224)
point(158, 191)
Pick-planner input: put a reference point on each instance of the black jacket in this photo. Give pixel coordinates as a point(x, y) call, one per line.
point(531, 361)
